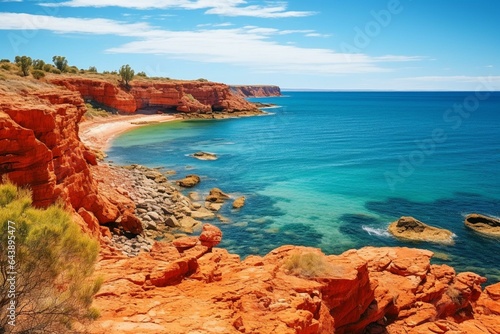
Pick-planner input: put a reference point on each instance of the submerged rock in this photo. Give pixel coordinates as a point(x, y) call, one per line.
point(413, 229)
point(205, 156)
point(483, 224)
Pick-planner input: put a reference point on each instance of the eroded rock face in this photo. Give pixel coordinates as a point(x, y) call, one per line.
point(370, 290)
point(413, 229)
point(182, 96)
point(40, 148)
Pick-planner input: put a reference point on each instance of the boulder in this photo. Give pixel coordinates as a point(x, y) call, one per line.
point(172, 222)
point(412, 229)
point(483, 224)
point(239, 202)
point(189, 181)
point(210, 236)
point(183, 243)
point(217, 196)
point(202, 213)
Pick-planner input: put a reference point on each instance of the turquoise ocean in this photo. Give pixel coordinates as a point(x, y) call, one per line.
point(333, 169)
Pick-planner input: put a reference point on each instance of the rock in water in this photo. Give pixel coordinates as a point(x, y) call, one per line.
point(413, 229)
point(217, 196)
point(189, 181)
point(205, 156)
point(239, 202)
point(483, 224)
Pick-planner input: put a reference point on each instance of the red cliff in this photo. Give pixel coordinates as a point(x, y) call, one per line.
point(40, 148)
point(181, 96)
point(256, 90)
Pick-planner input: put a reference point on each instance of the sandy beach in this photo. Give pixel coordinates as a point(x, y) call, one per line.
point(98, 133)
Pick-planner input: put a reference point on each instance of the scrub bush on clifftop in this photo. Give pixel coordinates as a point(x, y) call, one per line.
point(53, 262)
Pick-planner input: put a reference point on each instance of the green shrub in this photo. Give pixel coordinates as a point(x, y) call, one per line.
point(53, 262)
point(38, 74)
point(4, 60)
point(308, 265)
point(73, 70)
point(92, 69)
point(5, 66)
point(202, 80)
point(38, 64)
point(94, 111)
point(126, 73)
point(48, 68)
point(55, 71)
point(142, 74)
point(24, 63)
point(61, 63)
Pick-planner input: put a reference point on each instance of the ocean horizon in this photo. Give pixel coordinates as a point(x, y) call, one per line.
point(332, 169)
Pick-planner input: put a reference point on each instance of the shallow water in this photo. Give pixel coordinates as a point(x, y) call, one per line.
point(333, 169)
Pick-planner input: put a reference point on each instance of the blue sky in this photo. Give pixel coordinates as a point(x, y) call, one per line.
point(314, 44)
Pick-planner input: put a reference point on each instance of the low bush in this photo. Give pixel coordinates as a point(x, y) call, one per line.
point(38, 74)
point(52, 260)
point(308, 265)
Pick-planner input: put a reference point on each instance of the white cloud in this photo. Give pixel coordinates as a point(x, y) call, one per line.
point(253, 48)
point(249, 46)
point(20, 21)
point(215, 7)
point(455, 79)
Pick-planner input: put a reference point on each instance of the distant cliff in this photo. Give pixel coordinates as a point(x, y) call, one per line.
point(256, 91)
point(166, 95)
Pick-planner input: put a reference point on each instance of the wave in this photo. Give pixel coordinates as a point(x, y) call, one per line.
point(376, 231)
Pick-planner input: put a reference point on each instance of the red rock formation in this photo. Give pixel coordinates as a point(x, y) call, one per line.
point(371, 290)
point(99, 90)
point(182, 96)
point(40, 148)
point(256, 90)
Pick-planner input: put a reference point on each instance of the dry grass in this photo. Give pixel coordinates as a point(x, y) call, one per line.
point(308, 265)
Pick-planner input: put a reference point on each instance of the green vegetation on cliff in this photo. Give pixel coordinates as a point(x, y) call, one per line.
point(45, 265)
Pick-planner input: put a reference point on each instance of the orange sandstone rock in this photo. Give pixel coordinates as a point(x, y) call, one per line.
point(371, 290)
point(40, 148)
point(181, 96)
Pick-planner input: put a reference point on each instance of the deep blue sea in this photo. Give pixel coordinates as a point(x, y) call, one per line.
point(333, 169)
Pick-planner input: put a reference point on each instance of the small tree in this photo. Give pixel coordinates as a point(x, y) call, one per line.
point(92, 69)
point(45, 265)
point(38, 64)
point(127, 74)
point(24, 63)
point(61, 63)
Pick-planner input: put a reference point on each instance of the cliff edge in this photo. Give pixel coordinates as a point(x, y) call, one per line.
point(40, 148)
point(162, 95)
point(256, 90)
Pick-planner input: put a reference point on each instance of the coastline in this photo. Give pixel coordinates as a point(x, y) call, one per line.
point(98, 133)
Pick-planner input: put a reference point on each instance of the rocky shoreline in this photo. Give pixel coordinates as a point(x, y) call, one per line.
point(165, 212)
